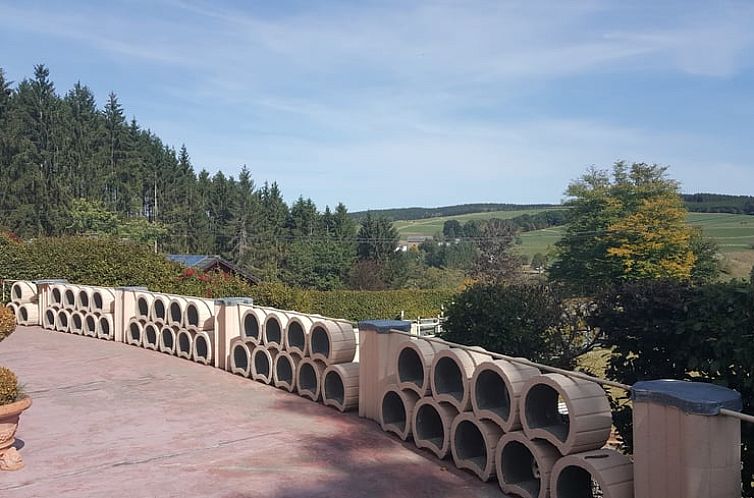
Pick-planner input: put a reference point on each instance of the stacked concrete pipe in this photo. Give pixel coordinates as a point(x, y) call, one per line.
point(76, 325)
point(240, 357)
point(473, 443)
point(168, 336)
point(332, 341)
point(90, 325)
point(297, 331)
point(431, 425)
point(414, 364)
point(262, 361)
point(151, 336)
point(523, 466)
point(496, 388)
point(159, 308)
point(340, 386)
point(184, 340)
point(273, 329)
point(309, 378)
point(24, 302)
point(397, 410)
point(135, 332)
point(451, 373)
point(284, 370)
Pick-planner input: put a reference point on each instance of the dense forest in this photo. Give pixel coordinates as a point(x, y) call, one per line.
point(416, 213)
point(719, 203)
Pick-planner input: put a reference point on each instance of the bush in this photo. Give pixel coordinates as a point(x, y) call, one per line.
point(533, 321)
point(9, 390)
point(354, 305)
point(7, 322)
point(666, 329)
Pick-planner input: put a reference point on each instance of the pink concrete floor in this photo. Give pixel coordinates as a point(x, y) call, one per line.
point(113, 420)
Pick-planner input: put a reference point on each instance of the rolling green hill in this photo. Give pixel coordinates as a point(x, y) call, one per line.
point(431, 226)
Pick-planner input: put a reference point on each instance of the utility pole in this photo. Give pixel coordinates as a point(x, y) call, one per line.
point(154, 215)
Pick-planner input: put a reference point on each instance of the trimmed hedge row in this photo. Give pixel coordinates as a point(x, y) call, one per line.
point(113, 263)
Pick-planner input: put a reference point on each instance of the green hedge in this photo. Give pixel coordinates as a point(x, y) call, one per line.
point(113, 263)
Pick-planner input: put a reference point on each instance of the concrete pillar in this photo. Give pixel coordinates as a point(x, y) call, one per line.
point(377, 351)
point(124, 310)
point(683, 448)
point(227, 327)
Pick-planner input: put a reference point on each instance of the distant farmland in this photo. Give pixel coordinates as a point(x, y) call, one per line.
point(733, 232)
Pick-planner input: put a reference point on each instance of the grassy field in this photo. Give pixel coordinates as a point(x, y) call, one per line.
point(733, 232)
point(432, 226)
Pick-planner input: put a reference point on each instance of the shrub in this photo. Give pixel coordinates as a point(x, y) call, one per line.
point(533, 321)
point(7, 322)
point(666, 329)
point(9, 390)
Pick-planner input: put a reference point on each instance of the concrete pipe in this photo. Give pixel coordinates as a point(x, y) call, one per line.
point(240, 358)
point(451, 373)
point(272, 329)
point(56, 295)
point(28, 314)
point(84, 299)
point(159, 310)
point(62, 321)
point(252, 321)
point(340, 386)
point(414, 362)
point(90, 325)
point(431, 425)
point(199, 314)
point(523, 467)
point(298, 329)
point(473, 443)
point(204, 347)
point(332, 342)
point(167, 339)
point(105, 327)
point(135, 332)
point(23, 291)
point(603, 473)
point(496, 389)
point(184, 341)
point(144, 302)
point(397, 411)
point(572, 414)
point(69, 297)
point(176, 311)
point(50, 316)
point(284, 370)
point(103, 300)
point(309, 378)
point(77, 323)
point(262, 360)
point(151, 336)
point(13, 307)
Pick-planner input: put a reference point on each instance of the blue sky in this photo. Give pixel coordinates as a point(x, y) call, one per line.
point(401, 103)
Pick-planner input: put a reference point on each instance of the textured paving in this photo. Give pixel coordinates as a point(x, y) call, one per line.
point(113, 420)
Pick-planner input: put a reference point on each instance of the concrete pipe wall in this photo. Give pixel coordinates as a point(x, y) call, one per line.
point(135, 332)
point(575, 476)
point(176, 311)
point(199, 314)
point(204, 347)
point(49, 319)
point(103, 300)
point(69, 296)
point(332, 342)
point(496, 390)
point(240, 358)
point(28, 314)
point(397, 411)
point(106, 327)
point(252, 322)
point(585, 426)
point(90, 325)
point(284, 369)
point(23, 291)
point(262, 360)
point(76, 324)
point(144, 302)
point(274, 328)
point(309, 378)
point(451, 373)
point(62, 320)
point(340, 386)
point(151, 336)
point(414, 363)
point(184, 343)
point(473, 443)
point(84, 299)
point(431, 425)
point(159, 310)
point(56, 295)
point(523, 467)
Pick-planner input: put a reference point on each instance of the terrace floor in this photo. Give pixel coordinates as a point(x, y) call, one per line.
point(113, 420)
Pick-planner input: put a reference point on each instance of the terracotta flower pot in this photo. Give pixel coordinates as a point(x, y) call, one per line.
point(9, 415)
